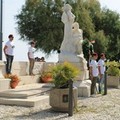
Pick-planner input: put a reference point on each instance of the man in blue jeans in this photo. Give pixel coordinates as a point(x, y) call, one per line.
point(9, 53)
point(101, 67)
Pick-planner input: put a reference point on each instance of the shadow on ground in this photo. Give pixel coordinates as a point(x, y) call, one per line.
point(42, 115)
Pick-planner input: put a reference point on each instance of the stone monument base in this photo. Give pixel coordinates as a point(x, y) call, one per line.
point(84, 88)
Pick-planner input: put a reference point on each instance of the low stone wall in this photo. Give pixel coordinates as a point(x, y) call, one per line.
point(22, 68)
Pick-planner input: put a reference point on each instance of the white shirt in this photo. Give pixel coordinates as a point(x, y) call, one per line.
point(101, 63)
point(94, 66)
point(31, 51)
point(10, 48)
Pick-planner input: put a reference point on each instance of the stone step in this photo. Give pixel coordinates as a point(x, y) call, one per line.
point(4, 84)
point(27, 95)
point(30, 102)
point(24, 80)
point(26, 91)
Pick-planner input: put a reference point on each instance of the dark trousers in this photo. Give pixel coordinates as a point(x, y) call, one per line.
point(93, 85)
point(9, 59)
point(31, 65)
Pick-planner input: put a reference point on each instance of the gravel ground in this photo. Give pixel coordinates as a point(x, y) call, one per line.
point(94, 108)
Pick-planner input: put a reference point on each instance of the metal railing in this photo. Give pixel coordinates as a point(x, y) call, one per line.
point(105, 83)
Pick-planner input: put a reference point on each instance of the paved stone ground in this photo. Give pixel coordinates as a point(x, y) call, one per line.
point(94, 108)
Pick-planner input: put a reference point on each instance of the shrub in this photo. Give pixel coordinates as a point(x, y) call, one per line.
point(62, 73)
point(113, 68)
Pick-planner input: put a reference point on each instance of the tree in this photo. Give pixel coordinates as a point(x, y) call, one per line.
point(41, 20)
point(101, 41)
point(110, 23)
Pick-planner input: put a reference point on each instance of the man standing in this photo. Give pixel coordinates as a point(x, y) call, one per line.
point(9, 53)
point(31, 57)
point(101, 67)
point(94, 73)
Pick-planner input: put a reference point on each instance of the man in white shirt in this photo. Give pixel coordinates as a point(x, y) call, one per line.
point(101, 67)
point(9, 53)
point(94, 73)
point(31, 57)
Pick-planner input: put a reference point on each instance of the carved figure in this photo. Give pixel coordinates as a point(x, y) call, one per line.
point(68, 20)
point(78, 38)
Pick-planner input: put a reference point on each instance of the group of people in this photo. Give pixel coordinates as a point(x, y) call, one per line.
point(97, 73)
point(9, 54)
point(37, 59)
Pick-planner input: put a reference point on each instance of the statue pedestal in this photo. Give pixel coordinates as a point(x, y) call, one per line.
point(82, 82)
point(77, 60)
point(84, 88)
point(4, 83)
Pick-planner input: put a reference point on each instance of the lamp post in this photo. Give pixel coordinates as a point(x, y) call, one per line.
point(1, 10)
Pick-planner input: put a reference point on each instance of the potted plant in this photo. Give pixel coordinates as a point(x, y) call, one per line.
point(113, 72)
point(14, 80)
point(46, 77)
point(61, 74)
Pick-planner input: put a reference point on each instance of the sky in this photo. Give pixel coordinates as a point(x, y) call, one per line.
point(12, 8)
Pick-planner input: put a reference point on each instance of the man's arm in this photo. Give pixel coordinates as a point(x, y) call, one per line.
point(90, 72)
point(4, 49)
point(29, 55)
point(99, 69)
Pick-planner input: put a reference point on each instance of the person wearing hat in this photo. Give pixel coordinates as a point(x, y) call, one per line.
point(101, 68)
point(94, 73)
point(31, 57)
point(9, 53)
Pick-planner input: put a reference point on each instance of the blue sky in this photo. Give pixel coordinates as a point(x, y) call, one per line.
point(13, 7)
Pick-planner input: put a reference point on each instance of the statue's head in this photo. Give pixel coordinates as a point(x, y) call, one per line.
point(75, 25)
point(67, 7)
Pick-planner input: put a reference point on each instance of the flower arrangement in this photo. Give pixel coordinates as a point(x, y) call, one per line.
point(46, 77)
point(14, 80)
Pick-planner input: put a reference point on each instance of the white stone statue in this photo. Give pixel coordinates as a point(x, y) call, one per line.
point(68, 19)
point(68, 46)
point(71, 47)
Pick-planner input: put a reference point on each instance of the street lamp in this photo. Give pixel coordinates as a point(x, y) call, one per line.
point(1, 8)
